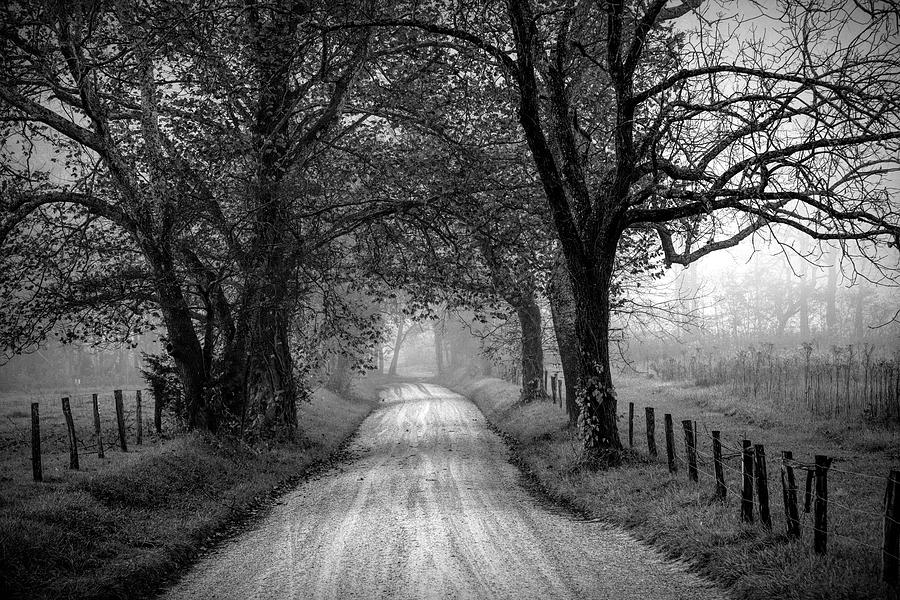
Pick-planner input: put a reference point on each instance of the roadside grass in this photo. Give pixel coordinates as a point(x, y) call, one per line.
point(125, 525)
point(682, 518)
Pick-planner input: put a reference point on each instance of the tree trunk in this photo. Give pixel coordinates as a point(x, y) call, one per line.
point(439, 347)
point(596, 396)
point(272, 390)
point(562, 309)
point(339, 378)
point(532, 347)
point(183, 345)
point(271, 386)
point(397, 343)
point(379, 358)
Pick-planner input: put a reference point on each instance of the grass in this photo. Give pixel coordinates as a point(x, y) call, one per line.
point(123, 526)
point(682, 519)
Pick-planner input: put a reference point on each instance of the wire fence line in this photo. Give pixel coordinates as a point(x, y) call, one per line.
point(820, 515)
point(40, 425)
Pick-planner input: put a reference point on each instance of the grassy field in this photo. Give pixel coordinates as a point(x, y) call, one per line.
point(124, 525)
point(681, 517)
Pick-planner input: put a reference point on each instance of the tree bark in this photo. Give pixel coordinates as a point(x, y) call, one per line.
point(183, 344)
point(562, 309)
point(271, 386)
point(398, 342)
point(596, 396)
point(532, 347)
point(379, 358)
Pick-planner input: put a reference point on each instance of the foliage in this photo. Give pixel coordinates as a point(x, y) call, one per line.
point(161, 375)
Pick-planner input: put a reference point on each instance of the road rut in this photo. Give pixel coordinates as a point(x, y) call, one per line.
point(430, 508)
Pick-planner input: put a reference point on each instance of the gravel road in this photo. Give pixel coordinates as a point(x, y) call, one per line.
point(430, 508)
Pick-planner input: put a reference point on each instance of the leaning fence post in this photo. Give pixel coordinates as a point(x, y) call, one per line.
point(120, 419)
point(890, 549)
point(721, 490)
point(70, 428)
point(789, 494)
point(651, 431)
point(820, 538)
point(691, 448)
point(747, 488)
point(631, 424)
point(36, 467)
point(97, 432)
point(138, 419)
point(762, 487)
point(670, 443)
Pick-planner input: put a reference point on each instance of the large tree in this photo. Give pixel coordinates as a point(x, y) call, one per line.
point(194, 132)
point(649, 117)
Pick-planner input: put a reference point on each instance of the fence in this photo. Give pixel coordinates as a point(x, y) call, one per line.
point(83, 423)
point(804, 508)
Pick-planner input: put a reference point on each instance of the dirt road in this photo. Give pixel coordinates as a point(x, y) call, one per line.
point(430, 508)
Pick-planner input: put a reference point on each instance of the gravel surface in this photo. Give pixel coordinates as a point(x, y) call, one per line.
point(430, 508)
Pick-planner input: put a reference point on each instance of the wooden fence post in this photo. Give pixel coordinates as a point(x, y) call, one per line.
point(631, 424)
point(553, 387)
point(70, 428)
point(651, 430)
point(789, 494)
point(138, 419)
point(762, 486)
point(97, 432)
point(120, 419)
point(36, 467)
point(890, 549)
point(546, 374)
point(721, 490)
point(747, 488)
point(820, 518)
point(807, 496)
point(670, 443)
point(691, 448)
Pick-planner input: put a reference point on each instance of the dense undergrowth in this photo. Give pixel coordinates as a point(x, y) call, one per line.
point(681, 518)
point(125, 529)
